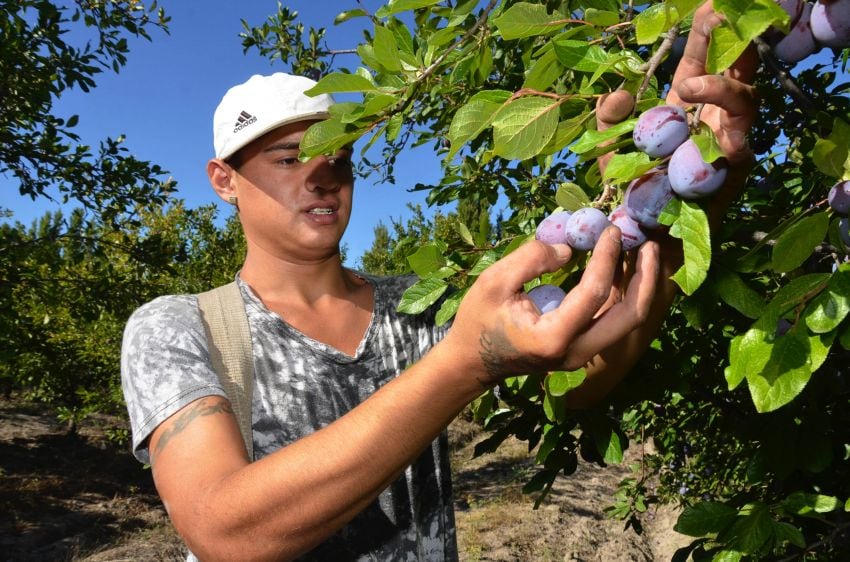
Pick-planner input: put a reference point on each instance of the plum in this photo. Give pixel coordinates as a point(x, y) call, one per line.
point(800, 42)
point(546, 297)
point(631, 234)
point(839, 197)
point(830, 23)
point(692, 177)
point(552, 229)
point(647, 196)
point(660, 130)
point(584, 228)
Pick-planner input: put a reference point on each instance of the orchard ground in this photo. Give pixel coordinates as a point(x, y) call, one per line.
point(77, 497)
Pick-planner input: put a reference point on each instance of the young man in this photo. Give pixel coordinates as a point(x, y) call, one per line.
point(350, 398)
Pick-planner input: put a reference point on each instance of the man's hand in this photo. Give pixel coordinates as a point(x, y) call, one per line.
point(509, 335)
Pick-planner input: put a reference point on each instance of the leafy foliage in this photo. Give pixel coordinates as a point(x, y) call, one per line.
point(744, 393)
point(70, 283)
point(37, 65)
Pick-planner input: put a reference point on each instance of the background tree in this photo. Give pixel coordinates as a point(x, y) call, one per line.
point(40, 149)
point(744, 393)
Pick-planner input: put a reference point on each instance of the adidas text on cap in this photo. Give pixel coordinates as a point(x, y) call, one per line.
point(250, 110)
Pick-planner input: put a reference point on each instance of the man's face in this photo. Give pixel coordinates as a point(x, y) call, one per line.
point(293, 210)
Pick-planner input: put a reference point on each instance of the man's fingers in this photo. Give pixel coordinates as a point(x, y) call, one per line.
point(530, 260)
point(613, 107)
point(693, 58)
point(593, 290)
point(736, 100)
point(626, 315)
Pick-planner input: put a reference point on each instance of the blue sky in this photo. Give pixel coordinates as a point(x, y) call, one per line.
point(164, 99)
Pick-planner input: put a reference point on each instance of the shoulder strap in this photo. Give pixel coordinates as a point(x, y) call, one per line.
point(229, 340)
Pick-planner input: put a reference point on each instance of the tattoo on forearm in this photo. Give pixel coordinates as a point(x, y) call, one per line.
point(200, 408)
point(500, 357)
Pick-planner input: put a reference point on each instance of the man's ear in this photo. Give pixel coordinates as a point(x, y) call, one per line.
point(221, 178)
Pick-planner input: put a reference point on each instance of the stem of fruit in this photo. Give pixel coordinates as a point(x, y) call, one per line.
point(783, 76)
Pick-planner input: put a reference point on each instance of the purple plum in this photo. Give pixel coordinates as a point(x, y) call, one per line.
point(647, 196)
point(831, 23)
point(799, 43)
point(839, 197)
point(546, 297)
point(552, 229)
point(692, 177)
point(660, 130)
point(584, 228)
point(631, 234)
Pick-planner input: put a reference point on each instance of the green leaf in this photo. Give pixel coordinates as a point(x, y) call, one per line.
point(727, 556)
point(651, 23)
point(486, 260)
point(328, 136)
point(750, 352)
point(737, 294)
point(397, 6)
point(350, 14)
point(707, 144)
point(751, 530)
point(341, 82)
point(797, 243)
point(473, 117)
point(787, 532)
point(579, 55)
point(527, 20)
point(426, 260)
point(784, 376)
point(830, 307)
point(806, 504)
point(830, 155)
point(745, 20)
point(571, 197)
point(798, 291)
point(448, 309)
point(422, 294)
point(386, 49)
point(593, 138)
point(524, 126)
point(566, 133)
point(725, 47)
point(705, 518)
point(624, 167)
point(558, 383)
point(692, 228)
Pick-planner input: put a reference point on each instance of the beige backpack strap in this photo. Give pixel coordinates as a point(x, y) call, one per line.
point(229, 340)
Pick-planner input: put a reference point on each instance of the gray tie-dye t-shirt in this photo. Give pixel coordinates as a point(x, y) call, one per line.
point(301, 385)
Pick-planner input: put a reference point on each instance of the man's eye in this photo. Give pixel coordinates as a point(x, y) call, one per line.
point(288, 161)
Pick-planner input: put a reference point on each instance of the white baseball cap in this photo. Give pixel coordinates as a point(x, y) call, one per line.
point(250, 110)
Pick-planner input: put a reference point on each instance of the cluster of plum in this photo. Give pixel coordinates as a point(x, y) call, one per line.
point(839, 201)
point(660, 132)
point(826, 23)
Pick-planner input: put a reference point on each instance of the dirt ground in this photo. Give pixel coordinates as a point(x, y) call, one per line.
point(77, 498)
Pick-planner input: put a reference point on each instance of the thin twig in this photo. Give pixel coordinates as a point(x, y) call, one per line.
point(783, 76)
point(653, 63)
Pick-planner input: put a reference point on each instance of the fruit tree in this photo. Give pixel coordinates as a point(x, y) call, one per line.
point(744, 394)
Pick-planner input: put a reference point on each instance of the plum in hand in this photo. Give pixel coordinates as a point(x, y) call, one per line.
point(547, 297)
point(660, 130)
point(552, 229)
point(631, 234)
point(692, 177)
point(584, 228)
point(647, 196)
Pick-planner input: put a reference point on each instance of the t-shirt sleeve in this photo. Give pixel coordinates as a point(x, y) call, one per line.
point(165, 364)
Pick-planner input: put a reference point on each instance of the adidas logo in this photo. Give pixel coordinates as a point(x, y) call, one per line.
point(244, 120)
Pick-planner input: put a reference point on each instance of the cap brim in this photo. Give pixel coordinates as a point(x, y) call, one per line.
point(255, 134)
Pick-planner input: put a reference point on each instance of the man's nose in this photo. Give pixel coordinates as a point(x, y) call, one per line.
point(323, 175)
